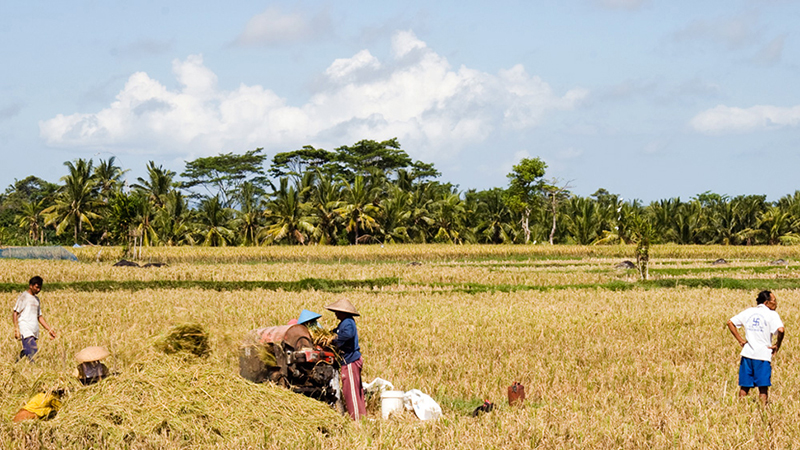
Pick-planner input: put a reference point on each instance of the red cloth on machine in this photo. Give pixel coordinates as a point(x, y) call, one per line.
point(352, 389)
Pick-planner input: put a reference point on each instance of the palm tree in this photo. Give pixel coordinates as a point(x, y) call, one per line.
point(158, 184)
point(775, 226)
point(215, 223)
point(583, 219)
point(419, 214)
point(326, 199)
point(288, 217)
point(686, 224)
point(359, 208)
point(395, 214)
point(250, 218)
point(30, 218)
point(173, 222)
point(495, 218)
point(109, 178)
point(123, 211)
point(75, 203)
point(447, 213)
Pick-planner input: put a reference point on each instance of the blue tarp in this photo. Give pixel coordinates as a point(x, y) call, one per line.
point(53, 252)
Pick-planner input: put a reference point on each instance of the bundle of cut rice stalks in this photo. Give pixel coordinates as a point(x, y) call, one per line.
point(185, 337)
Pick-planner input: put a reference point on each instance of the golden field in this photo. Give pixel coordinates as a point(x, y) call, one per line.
point(641, 367)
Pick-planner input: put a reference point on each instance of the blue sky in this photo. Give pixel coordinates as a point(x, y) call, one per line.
point(647, 99)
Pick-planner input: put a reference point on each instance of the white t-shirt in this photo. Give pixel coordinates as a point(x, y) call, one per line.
point(759, 323)
point(29, 310)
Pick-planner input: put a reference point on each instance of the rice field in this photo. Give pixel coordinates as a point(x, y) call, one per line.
point(607, 361)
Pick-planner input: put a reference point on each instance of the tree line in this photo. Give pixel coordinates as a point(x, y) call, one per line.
point(366, 193)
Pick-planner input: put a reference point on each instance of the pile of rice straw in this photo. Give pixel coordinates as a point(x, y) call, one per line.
point(173, 403)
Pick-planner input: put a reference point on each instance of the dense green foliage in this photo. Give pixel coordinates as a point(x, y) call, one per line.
point(368, 193)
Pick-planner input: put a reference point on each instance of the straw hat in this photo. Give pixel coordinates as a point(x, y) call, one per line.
point(343, 305)
point(90, 354)
point(307, 316)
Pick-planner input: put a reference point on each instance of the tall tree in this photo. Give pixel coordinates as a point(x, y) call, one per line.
point(295, 163)
point(556, 191)
point(525, 189)
point(224, 174)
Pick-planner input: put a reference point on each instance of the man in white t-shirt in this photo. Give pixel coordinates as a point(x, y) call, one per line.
point(27, 316)
point(760, 324)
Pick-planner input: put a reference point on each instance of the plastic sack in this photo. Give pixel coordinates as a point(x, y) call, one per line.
point(377, 386)
point(422, 404)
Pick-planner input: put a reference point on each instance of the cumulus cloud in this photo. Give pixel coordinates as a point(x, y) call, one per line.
point(345, 69)
point(273, 26)
point(726, 119)
point(416, 96)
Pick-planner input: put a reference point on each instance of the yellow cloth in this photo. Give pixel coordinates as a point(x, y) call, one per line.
point(43, 404)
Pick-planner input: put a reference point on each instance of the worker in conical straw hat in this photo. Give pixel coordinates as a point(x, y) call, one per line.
point(91, 369)
point(346, 339)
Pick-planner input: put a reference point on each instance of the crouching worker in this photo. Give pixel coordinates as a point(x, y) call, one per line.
point(43, 405)
point(345, 338)
point(90, 369)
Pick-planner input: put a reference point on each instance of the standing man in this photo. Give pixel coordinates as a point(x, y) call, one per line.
point(760, 323)
point(27, 316)
point(346, 339)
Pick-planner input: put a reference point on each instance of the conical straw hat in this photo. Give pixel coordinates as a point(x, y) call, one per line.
point(307, 316)
point(90, 354)
point(343, 305)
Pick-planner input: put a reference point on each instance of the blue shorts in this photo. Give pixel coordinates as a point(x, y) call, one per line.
point(29, 348)
point(754, 372)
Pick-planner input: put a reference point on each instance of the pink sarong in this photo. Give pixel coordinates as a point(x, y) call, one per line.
point(353, 390)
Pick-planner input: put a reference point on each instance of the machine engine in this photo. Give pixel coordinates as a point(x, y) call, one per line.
point(287, 356)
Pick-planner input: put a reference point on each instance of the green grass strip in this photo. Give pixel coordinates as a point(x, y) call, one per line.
point(318, 284)
point(695, 283)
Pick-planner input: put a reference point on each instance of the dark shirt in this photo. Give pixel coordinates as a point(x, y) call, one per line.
point(347, 340)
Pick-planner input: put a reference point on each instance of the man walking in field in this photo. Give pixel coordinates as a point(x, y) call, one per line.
point(760, 324)
point(27, 316)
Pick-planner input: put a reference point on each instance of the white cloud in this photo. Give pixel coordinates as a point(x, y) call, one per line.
point(726, 119)
point(345, 69)
point(421, 100)
point(275, 27)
